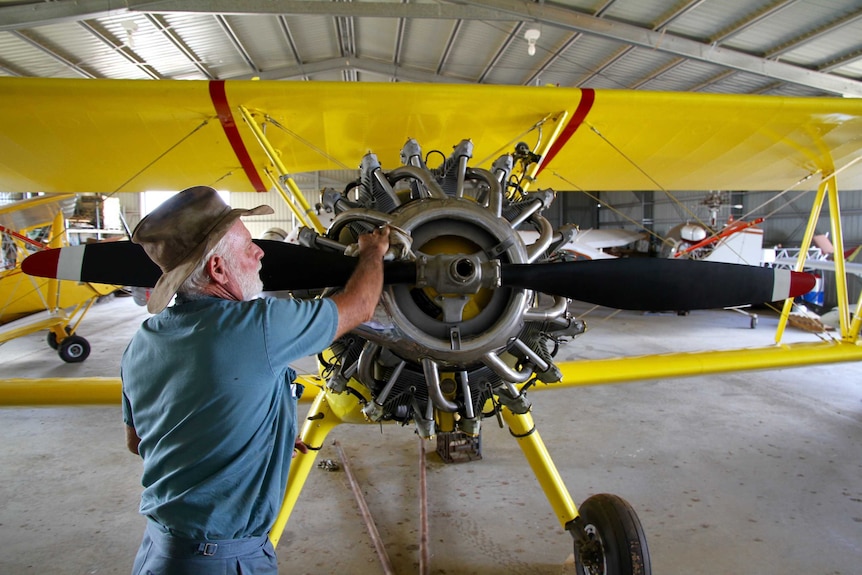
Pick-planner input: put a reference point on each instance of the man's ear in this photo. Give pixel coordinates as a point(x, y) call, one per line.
point(217, 269)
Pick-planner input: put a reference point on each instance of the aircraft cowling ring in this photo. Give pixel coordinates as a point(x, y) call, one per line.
point(455, 341)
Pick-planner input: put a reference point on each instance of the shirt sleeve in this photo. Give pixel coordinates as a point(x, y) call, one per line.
point(296, 329)
point(127, 412)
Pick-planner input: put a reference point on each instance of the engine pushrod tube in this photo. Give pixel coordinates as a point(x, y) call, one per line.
point(560, 306)
point(366, 362)
point(546, 236)
point(434, 189)
point(532, 355)
point(499, 367)
point(462, 168)
point(535, 206)
point(393, 379)
point(495, 193)
point(435, 394)
point(469, 412)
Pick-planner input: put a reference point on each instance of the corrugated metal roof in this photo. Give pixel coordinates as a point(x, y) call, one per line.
point(582, 43)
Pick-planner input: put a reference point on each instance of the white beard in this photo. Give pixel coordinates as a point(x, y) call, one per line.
point(250, 285)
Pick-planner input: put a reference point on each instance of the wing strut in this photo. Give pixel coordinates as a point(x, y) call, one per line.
point(308, 217)
point(828, 191)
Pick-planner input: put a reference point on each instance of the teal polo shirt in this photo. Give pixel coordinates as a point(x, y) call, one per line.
point(207, 386)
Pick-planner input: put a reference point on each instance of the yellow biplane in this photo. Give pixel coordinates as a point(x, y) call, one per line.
point(29, 304)
point(444, 374)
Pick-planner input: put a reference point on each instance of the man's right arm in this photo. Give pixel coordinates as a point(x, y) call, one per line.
point(357, 301)
point(132, 439)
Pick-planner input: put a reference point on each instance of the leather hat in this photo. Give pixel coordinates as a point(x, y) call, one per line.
point(181, 232)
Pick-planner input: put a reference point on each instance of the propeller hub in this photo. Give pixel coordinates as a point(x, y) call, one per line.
point(453, 314)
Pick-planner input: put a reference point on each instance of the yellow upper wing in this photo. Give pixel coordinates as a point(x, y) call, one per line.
point(134, 135)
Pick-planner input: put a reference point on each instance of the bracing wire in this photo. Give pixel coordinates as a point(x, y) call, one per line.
point(645, 173)
point(614, 210)
point(305, 142)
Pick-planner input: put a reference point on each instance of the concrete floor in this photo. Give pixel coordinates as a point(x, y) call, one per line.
point(746, 473)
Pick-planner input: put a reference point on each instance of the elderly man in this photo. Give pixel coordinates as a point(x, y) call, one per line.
point(209, 399)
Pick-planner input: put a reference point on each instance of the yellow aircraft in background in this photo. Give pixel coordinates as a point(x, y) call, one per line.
point(453, 355)
point(29, 304)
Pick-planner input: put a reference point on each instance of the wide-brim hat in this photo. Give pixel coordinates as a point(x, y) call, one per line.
point(181, 232)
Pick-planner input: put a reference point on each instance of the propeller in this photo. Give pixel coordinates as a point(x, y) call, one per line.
point(653, 284)
point(648, 284)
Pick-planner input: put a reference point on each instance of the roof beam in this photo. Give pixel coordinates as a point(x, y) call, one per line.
point(516, 31)
point(236, 42)
point(120, 49)
point(740, 27)
point(814, 34)
point(450, 43)
point(399, 40)
point(568, 44)
point(535, 76)
point(291, 42)
point(560, 17)
point(35, 43)
point(436, 11)
point(43, 13)
point(171, 36)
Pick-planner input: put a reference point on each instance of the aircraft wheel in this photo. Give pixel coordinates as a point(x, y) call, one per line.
point(615, 540)
point(74, 349)
point(52, 338)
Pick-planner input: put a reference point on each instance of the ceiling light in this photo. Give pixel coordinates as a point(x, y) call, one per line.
point(531, 36)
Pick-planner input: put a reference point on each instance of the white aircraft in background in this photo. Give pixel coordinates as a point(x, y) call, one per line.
point(737, 242)
point(821, 261)
point(587, 244)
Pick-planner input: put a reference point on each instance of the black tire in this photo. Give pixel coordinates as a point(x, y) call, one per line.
point(52, 338)
point(74, 349)
point(617, 545)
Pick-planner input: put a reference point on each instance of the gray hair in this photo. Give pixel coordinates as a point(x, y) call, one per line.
point(195, 284)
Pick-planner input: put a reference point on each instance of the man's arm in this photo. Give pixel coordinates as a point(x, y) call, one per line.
point(132, 439)
point(357, 301)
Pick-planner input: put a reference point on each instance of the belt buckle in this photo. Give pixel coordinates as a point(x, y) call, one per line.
point(208, 549)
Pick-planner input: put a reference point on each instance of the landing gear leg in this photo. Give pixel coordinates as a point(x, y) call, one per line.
point(609, 539)
point(320, 421)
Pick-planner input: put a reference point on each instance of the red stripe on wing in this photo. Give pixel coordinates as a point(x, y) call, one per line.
point(225, 116)
point(588, 96)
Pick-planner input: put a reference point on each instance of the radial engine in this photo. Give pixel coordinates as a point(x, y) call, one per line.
point(450, 349)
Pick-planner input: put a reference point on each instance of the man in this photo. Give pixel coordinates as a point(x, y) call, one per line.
point(208, 396)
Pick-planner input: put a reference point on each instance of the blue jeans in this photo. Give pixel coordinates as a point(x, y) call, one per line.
point(164, 554)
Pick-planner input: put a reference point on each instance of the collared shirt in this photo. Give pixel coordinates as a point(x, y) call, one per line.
point(207, 387)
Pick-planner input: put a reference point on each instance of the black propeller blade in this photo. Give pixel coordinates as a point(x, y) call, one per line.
point(637, 283)
point(653, 284)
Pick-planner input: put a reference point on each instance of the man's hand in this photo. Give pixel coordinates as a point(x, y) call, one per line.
point(299, 446)
point(374, 244)
point(357, 301)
